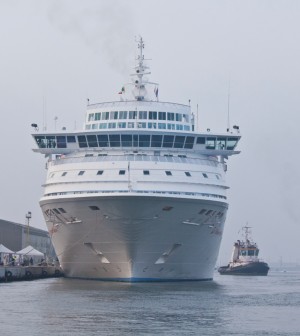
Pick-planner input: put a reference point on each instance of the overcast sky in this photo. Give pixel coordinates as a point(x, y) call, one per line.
point(57, 53)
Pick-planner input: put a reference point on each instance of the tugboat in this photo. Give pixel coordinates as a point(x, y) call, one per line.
point(244, 259)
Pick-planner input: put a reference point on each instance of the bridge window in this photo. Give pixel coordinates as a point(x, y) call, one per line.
point(71, 139)
point(114, 140)
point(105, 115)
point(170, 116)
point(114, 115)
point(82, 141)
point(210, 143)
point(200, 141)
point(168, 173)
point(97, 116)
point(231, 142)
point(92, 140)
point(221, 143)
point(122, 172)
point(168, 141)
point(144, 141)
point(156, 140)
point(126, 140)
point(189, 142)
point(103, 140)
point(179, 141)
point(178, 117)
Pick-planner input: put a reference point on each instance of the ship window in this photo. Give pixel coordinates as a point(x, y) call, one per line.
point(200, 141)
point(189, 142)
point(170, 116)
point(89, 155)
point(92, 140)
point(179, 140)
point(168, 173)
point(205, 175)
point(231, 142)
point(178, 117)
point(99, 172)
point(121, 172)
point(56, 211)
point(161, 115)
point(91, 117)
point(220, 214)
point(167, 208)
point(50, 141)
point(64, 174)
point(146, 172)
point(218, 177)
point(40, 140)
point(156, 140)
point(82, 141)
point(161, 126)
point(93, 207)
point(168, 141)
point(202, 211)
point(103, 125)
point(123, 115)
point(142, 114)
point(114, 140)
point(251, 253)
point(171, 126)
point(152, 115)
point(135, 140)
point(132, 115)
point(121, 124)
point(186, 127)
point(188, 174)
point(81, 172)
point(152, 125)
point(142, 125)
point(126, 140)
point(179, 127)
point(112, 125)
point(97, 116)
point(105, 115)
point(208, 212)
point(71, 139)
point(130, 125)
point(221, 143)
point(144, 141)
point(114, 115)
point(103, 140)
point(62, 210)
point(210, 143)
point(182, 156)
point(102, 154)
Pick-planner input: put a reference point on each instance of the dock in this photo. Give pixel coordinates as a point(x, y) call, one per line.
point(25, 273)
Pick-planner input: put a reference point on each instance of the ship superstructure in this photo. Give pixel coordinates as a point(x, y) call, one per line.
point(139, 194)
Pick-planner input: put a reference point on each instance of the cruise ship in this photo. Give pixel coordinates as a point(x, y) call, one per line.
point(140, 193)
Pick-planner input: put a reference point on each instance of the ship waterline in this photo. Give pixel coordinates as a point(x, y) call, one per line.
point(136, 238)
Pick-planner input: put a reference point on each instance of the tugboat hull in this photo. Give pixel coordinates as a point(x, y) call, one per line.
point(253, 268)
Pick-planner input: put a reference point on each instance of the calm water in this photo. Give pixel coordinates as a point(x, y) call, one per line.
point(226, 306)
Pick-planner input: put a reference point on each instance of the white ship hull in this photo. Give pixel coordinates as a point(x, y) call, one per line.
point(137, 238)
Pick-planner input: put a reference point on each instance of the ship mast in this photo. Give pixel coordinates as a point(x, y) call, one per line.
point(140, 83)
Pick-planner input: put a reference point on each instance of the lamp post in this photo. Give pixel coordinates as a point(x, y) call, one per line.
point(28, 217)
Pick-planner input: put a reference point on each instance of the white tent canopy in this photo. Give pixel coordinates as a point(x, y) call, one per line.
point(4, 249)
point(30, 251)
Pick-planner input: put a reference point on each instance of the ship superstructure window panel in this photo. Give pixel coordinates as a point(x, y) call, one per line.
point(205, 175)
point(64, 174)
point(92, 140)
point(100, 172)
point(81, 172)
point(82, 141)
point(71, 139)
point(168, 173)
point(146, 172)
point(62, 210)
point(122, 172)
point(188, 174)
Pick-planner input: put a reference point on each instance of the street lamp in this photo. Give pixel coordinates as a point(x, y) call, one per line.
point(28, 217)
